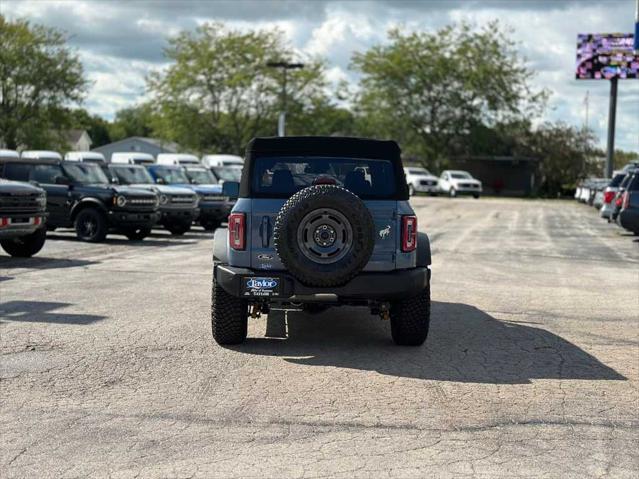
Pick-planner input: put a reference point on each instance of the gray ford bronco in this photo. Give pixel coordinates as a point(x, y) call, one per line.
point(320, 222)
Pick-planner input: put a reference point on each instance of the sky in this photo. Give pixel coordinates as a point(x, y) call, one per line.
point(121, 42)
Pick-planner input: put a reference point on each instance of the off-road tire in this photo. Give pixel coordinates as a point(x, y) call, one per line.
point(138, 234)
point(178, 229)
point(229, 316)
point(307, 271)
point(410, 319)
point(210, 225)
point(96, 217)
point(25, 246)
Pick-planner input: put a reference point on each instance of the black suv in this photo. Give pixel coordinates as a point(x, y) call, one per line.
point(22, 217)
point(79, 195)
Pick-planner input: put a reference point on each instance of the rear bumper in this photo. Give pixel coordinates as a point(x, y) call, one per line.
point(385, 286)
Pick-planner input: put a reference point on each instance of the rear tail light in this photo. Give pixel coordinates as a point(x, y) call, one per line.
point(608, 196)
point(4, 222)
point(618, 200)
point(625, 200)
point(409, 233)
point(237, 231)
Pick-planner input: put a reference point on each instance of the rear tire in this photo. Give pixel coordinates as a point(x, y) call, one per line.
point(452, 192)
point(138, 234)
point(90, 225)
point(211, 225)
point(229, 316)
point(476, 196)
point(178, 229)
point(25, 246)
point(410, 319)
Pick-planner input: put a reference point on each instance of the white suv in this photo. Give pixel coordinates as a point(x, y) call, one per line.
point(457, 182)
point(420, 180)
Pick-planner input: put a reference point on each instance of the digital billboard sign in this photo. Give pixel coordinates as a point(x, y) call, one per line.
point(606, 56)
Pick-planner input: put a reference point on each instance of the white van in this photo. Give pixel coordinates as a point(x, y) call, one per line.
point(41, 155)
point(132, 158)
point(179, 159)
point(222, 160)
point(9, 154)
point(85, 156)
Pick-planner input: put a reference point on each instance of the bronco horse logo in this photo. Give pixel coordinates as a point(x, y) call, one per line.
point(383, 233)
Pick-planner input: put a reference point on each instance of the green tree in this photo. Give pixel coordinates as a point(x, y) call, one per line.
point(565, 154)
point(431, 90)
point(96, 126)
point(132, 121)
point(39, 78)
point(219, 82)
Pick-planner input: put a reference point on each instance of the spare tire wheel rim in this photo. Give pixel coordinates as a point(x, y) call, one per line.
point(325, 236)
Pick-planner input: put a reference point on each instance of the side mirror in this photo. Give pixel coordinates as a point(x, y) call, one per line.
point(62, 180)
point(160, 181)
point(231, 189)
point(115, 181)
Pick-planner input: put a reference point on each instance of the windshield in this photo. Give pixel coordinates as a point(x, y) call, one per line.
point(170, 174)
point(418, 171)
point(227, 173)
point(281, 177)
point(200, 176)
point(133, 174)
point(85, 173)
point(461, 176)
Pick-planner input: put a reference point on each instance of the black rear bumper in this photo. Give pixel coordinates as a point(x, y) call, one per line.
point(382, 286)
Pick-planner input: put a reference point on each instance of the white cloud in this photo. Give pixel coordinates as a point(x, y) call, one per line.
point(120, 43)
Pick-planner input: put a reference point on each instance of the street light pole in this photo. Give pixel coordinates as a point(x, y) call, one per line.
point(285, 66)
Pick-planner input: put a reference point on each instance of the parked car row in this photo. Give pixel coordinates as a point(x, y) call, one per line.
point(450, 182)
point(130, 195)
point(617, 199)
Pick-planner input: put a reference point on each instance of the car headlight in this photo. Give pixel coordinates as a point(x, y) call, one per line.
point(164, 199)
point(120, 201)
point(42, 200)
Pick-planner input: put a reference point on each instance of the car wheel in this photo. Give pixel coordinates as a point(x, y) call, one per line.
point(229, 316)
point(211, 225)
point(476, 196)
point(90, 225)
point(324, 235)
point(138, 234)
point(25, 246)
point(178, 229)
point(452, 192)
point(410, 319)
point(411, 190)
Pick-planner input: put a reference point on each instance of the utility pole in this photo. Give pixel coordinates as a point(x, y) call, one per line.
point(612, 118)
point(587, 104)
point(285, 66)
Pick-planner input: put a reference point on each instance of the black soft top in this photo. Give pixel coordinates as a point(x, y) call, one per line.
point(323, 146)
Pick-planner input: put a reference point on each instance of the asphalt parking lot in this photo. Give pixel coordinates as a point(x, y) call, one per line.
point(531, 367)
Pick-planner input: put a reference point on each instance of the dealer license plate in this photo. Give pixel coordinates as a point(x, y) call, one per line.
point(260, 286)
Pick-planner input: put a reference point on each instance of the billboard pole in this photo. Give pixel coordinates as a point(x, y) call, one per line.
point(612, 117)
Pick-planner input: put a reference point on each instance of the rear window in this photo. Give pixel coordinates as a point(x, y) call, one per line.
point(282, 177)
point(616, 181)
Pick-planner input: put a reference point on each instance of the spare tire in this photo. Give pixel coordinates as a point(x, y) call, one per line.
point(324, 235)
